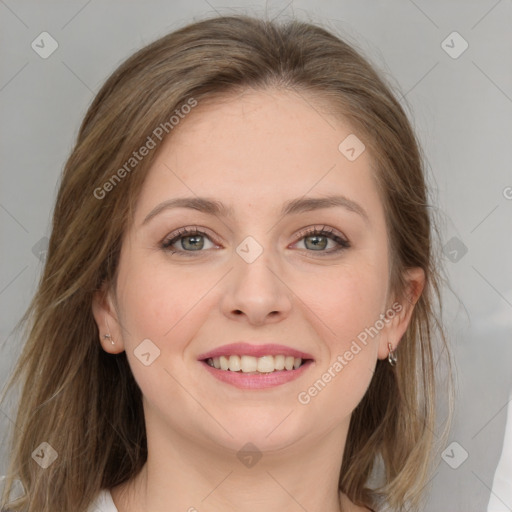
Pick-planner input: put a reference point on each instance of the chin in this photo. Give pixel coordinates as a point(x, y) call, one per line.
point(268, 432)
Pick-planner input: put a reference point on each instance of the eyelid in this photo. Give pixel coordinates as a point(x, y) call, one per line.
point(341, 244)
point(318, 229)
point(174, 236)
point(323, 229)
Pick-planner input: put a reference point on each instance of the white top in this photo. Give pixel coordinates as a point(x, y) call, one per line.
point(103, 502)
point(501, 496)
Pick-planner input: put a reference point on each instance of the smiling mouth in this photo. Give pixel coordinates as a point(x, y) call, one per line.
point(255, 365)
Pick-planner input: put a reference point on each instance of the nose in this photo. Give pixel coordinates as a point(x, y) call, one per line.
point(256, 292)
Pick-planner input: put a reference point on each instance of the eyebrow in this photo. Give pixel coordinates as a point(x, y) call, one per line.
point(300, 205)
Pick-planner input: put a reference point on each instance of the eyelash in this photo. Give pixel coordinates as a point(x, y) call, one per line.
point(344, 244)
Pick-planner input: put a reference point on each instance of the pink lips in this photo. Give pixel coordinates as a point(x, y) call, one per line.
point(250, 380)
point(246, 349)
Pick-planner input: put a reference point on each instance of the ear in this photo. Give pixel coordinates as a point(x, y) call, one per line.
point(399, 312)
point(105, 315)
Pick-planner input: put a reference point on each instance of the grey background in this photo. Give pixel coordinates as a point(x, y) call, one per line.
point(462, 111)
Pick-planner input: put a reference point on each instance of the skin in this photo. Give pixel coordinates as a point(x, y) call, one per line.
point(253, 152)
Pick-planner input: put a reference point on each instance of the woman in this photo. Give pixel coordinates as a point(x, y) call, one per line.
point(237, 308)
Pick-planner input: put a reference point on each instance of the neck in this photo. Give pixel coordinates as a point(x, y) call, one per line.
point(182, 474)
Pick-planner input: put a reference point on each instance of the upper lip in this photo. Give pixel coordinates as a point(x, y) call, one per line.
point(247, 349)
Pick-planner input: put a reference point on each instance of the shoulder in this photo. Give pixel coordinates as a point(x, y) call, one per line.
point(103, 502)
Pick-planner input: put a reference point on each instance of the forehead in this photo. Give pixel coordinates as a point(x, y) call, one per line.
point(262, 147)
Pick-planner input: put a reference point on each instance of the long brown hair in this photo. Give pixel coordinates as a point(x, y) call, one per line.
point(84, 402)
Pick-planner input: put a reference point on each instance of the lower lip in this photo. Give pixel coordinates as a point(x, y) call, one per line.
point(264, 380)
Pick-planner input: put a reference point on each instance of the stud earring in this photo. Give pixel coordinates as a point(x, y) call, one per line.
point(391, 356)
point(108, 337)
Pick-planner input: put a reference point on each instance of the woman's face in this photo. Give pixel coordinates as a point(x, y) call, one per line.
point(241, 264)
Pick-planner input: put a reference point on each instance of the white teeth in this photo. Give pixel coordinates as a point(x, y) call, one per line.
point(224, 363)
point(234, 363)
point(250, 364)
point(279, 362)
point(288, 362)
point(266, 364)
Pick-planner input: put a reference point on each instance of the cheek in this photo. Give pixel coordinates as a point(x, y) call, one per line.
point(348, 300)
point(348, 308)
point(335, 391)
point(165, 306)
point(158, 302)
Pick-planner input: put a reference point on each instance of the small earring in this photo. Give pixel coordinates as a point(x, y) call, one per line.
point(108, 337)
point(391, 356)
